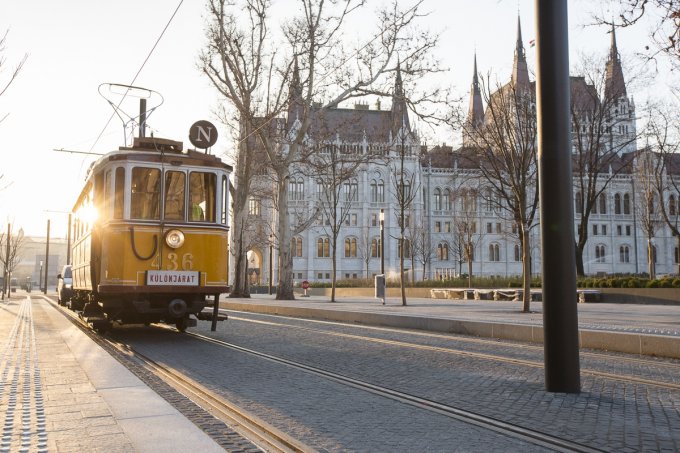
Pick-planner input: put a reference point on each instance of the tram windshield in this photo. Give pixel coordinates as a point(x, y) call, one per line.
point(174, 195)
point(202, 196)
point(146, 191)
point(199, 206)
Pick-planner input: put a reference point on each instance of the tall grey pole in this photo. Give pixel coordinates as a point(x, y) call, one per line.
point(5, 279)
point(47, 256)
point(560, 317)
point(271, 263)
point(68, 241)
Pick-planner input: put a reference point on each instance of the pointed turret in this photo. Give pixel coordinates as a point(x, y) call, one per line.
point(476, 110)
point(295, 101)
point(399, 110)
point(614, 87)
point(475, 115)
point(520, 72)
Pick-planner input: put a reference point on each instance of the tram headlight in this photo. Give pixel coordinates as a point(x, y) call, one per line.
point(174, 239)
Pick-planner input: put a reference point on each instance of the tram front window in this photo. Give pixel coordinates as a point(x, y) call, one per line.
point(202, 192)
point(174, 195)
point(146, 190)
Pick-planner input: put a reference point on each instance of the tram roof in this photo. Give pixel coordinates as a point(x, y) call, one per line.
point(162, 150)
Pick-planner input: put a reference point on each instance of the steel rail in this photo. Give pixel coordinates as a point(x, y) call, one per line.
point(256, 430)
point(483, 356)
point(469, 417)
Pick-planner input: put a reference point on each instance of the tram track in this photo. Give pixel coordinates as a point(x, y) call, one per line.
point(262, 434)
point(269, 438)
point(490, 357)
point(488, 423)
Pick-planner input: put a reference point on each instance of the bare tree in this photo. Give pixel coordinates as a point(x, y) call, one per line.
point(366, 248)
point(405, 190)
point(600, 134)
point(662, 133)
point(10, 256)
point(466, 232)
point(336, 167)
point(422, 249)
point(311, 63)
point(241, 82)
point(646, 166)
point(4, 85)
point(506, 157)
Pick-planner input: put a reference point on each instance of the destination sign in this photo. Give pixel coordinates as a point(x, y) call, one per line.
point(175, 278)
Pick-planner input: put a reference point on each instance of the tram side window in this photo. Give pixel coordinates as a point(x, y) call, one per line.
point(202, 193)
point(119, 193)
point(225, 200)
point(146, 190)
point(174, 195)
point(107, 195)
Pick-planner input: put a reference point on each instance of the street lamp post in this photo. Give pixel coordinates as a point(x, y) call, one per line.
point(382, 241)
point(40, 280)
point(271, 270)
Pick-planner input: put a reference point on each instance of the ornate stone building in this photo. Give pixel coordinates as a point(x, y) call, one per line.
point(443, 180)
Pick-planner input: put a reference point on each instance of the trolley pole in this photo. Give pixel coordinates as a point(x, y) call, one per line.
point(47, 256)
point(560, 316)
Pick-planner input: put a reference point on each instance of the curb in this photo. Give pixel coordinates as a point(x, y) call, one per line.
point(631, 343)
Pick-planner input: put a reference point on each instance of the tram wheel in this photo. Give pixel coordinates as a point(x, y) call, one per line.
point(101, 327)
point(182, 324)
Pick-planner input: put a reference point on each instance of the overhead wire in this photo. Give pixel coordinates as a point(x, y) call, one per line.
point(137, 74)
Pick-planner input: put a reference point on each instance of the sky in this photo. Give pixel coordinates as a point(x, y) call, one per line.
point(74, 46)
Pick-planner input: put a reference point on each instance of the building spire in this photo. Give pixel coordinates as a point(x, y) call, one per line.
point(520, 72)
point(399, 110)
point(475, 115)
point(295, 100)
point(615, 85)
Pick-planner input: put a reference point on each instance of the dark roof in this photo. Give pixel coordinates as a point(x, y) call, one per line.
point(350, 124)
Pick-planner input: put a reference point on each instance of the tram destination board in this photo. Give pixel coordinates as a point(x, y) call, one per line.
point(176, 278)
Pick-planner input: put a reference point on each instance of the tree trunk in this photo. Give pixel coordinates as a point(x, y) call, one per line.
point(284, 289)
point(526, 271)
point(677, 253)
point(241, 287)
point(650, 260)
point(580, 269)
point(401, 271)
point(469, 271)
point(334, 262)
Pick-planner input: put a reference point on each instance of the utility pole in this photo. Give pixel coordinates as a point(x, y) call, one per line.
point(47, 256)
point(68, 241)
point(560, 315)
point(5, 280)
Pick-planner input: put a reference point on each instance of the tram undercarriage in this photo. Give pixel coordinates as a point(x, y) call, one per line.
point(182, 311)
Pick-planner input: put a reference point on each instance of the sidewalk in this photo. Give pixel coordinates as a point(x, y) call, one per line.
point(630, 328)
point(59, 391)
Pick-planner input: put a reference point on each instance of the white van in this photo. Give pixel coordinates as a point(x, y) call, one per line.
point(64, 285)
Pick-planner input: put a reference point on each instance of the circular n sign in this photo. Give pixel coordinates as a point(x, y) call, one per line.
point(203, 134)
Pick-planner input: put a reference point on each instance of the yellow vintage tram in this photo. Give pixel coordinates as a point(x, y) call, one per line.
point(150, 236)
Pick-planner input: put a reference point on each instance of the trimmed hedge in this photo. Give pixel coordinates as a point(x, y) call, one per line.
point(629, 281)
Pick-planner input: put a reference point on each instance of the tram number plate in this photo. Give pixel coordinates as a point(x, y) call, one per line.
point(174, 278)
